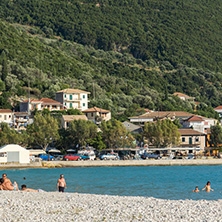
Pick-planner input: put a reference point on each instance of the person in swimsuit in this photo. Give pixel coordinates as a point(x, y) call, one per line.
point(207, 187)
point(196, 190)
point(7, 184)
point(24, 188)
point(61, 184)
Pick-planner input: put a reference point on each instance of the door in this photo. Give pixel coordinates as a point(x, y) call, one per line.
point(190, 140)
point(13, 157)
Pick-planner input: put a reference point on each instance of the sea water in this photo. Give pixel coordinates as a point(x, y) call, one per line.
point(166, 182)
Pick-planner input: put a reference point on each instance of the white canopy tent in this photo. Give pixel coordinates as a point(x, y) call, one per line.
point(14, 153)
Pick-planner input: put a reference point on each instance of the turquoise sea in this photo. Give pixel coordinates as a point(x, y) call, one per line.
point(166, 182)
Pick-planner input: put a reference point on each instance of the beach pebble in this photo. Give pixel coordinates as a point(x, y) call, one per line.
point(59, 207)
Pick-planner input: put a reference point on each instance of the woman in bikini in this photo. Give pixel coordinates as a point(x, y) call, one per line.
point(207, 187)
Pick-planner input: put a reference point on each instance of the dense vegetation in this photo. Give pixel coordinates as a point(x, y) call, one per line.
point(186, 31)
point(129, 54)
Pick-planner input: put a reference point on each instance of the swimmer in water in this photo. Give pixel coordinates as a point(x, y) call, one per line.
point(196, 190)
point(207, 187)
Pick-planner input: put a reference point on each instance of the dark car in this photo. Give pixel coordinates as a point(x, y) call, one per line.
point(45, 156)
point(150, 156)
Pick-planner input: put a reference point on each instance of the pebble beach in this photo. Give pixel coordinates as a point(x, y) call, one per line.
point(49, 206)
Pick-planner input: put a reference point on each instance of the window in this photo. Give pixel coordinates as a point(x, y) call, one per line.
point(83, 96)
point(92, 114)
point(70, 97)
point(65, 95)
point(70, 105)
point(0, 116)
point(83, 104)
point(65, 104)
point(5, 117)
point(183, 139)
point(197, 139)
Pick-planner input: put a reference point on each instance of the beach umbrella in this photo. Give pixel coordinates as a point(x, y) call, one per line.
point(54, 151)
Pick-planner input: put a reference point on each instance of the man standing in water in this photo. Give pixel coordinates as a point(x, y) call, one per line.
point(61, 184)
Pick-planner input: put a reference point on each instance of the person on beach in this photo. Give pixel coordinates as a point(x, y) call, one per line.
point(24, 188)
point(61, 184)
point(207, 187)
point(1, 182)
point(196, 190)
point(7, 184)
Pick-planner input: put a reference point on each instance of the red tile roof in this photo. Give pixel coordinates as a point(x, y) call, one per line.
point(5, 111)
point(49, 101)
point(181, 95)
point(194, 119)
point(189, 132)
point(219, 107)
point(96, 109)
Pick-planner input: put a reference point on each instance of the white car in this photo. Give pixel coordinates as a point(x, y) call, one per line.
point(109, 156)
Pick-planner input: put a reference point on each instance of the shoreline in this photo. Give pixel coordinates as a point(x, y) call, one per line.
point(49, 206)
point(111, 163)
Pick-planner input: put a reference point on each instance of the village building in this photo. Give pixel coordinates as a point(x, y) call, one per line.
point(21, 120)
point(44, 103)
point(6, 116)
point(67, 119)
point(219, 110)
point(184, 96)
point(73, 98)
point(96, 114)
point(191, 138)
point(153, 116)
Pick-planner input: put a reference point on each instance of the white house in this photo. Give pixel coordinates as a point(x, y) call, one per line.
point(14, 153)
point(6, 116)
point(73, 98)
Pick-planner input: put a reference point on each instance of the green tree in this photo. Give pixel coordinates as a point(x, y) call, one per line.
point(43, 131)
point(115, 135)
point(216, 135)
point(162, 133)
point(82, 132)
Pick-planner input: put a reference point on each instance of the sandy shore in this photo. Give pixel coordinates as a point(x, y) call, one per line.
point(27, 206)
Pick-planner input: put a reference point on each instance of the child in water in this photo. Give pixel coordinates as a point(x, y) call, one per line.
point(207, 187)
point(196, 189)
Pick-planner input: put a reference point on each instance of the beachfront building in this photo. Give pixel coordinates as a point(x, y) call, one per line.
point(73, 98)
point(161, 115)
point(44, 103)
point(184, 96)
point(6, 116)
point(13, 153)
point(67, 119)
point(96, 114)
point(191, 138)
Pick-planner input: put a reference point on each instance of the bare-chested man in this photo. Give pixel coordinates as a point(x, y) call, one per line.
point(61, 184)
point(24, 188)
point(7, 184)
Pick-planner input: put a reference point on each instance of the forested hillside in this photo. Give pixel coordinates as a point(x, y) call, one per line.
point(128, 54)
point(187, 32)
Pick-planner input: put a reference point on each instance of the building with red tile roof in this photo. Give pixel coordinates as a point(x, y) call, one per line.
point(96, 114)
point(44, 103)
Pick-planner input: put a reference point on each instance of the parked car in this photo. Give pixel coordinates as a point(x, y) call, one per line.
point(72, 157)
point(45, 156)
point(83, 157)
point(150, 156)
point(109, 156)
point(59, 157)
